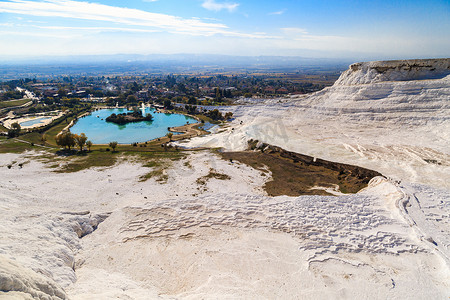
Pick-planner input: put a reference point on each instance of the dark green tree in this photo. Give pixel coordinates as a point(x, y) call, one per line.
point(113, 145)
point(132, 100)
point(89, 145)
point(168, 104)
point(14, 130)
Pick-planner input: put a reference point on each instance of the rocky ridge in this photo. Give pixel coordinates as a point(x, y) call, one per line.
point(395, 70)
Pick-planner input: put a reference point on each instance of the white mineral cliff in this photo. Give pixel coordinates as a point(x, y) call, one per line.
point(394, 70)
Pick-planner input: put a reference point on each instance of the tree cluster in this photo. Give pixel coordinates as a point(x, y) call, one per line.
point(67, 140)
point(216, 115)
point(168, 104)
point(11, 95)
point(125, 118)
point(191, 109)
point(14, 130)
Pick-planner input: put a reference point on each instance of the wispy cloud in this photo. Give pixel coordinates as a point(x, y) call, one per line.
point(297, 37)
point(280, 12)
point(294, 31)
point(120, 15)
point(216, 6)
point(97, 29)
point(61, 35)
point(302, 35)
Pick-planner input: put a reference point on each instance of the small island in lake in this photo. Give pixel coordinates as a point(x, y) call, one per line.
point(130, 117)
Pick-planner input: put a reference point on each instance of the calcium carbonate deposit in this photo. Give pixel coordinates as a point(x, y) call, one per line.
point(103, 234)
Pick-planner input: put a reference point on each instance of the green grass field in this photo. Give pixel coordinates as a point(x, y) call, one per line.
point(12, 103)
point(154, 156)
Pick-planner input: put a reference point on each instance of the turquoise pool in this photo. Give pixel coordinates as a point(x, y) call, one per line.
point(34, 121)
point(101, 132)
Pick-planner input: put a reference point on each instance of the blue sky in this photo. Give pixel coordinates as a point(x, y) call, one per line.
point(376, 29)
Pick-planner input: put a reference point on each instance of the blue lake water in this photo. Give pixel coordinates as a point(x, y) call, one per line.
point(101, 132)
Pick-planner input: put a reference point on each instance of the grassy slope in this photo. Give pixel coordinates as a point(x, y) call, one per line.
point(12, 103)
point(13, 146)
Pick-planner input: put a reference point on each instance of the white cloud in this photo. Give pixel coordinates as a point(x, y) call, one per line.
point(294, 31)
point(215, 6)
point(280, 12)
point(97, 29)
point(62, 35)
point(107, 13)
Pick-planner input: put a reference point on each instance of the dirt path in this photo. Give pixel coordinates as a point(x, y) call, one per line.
point(38, 145)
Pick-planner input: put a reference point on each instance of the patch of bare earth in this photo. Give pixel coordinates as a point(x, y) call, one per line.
point(295, 174)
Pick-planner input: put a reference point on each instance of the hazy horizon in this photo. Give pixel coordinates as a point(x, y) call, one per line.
point(163, 64)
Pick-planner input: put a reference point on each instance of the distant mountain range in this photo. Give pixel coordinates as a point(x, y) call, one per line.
point(187, 58)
